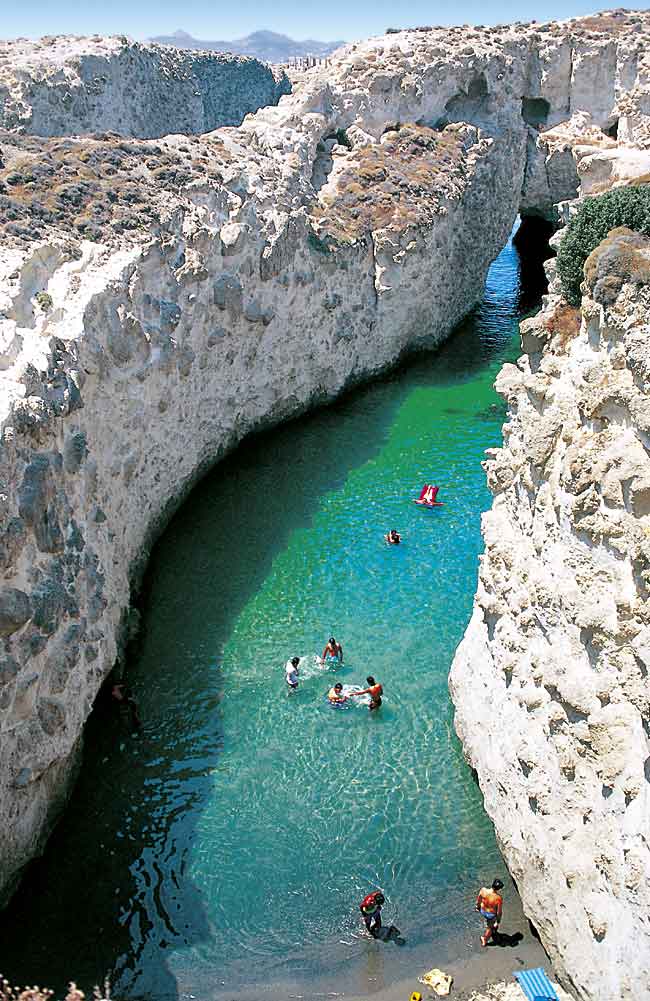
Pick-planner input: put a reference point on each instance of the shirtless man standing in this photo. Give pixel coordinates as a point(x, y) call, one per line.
point(333, 651)
point(490, 904)
point(375, 691)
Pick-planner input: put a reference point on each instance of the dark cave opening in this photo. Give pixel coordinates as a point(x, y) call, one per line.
point(534, 111)
point(532, 242)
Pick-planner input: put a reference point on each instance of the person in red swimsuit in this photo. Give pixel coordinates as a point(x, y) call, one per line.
point(370, 908)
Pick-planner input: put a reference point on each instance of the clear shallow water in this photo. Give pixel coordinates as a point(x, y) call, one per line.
point(228, 845)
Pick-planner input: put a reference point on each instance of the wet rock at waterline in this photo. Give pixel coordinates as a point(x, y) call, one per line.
point(162, 299)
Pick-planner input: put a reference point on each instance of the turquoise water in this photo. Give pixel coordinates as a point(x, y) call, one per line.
point(227, 845)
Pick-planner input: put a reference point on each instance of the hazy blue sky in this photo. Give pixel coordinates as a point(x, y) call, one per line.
point(331, 19)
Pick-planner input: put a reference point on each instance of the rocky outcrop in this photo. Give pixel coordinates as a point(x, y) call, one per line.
point(63, 85)
point(160, 300)
point(550, 682)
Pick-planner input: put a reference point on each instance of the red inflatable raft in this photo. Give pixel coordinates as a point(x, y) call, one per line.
point(428, 496)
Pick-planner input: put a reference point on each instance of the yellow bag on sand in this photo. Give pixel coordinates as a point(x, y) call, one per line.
point(438, 981)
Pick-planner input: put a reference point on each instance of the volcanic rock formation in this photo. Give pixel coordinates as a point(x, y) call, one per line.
point(162, 299)
point(64, 85)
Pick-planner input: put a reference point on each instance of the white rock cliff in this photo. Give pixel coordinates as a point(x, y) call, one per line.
point(160, 300)
point(62, 85)
point(550, 682)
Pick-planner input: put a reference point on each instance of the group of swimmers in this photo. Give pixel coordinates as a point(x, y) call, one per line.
point(333, 656)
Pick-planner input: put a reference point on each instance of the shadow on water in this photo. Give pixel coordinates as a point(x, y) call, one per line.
point(118, 858)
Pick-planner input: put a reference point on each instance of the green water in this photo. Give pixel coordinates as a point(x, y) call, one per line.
point(228, 845)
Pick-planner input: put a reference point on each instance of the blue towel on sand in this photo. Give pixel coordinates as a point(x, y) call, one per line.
point(536, 985)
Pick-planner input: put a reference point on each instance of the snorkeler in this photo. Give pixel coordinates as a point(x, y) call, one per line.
point(335, 694)
point(374, 690)
point(291, 672)
point(370, 908)
point(333, 651)
point(393, 538)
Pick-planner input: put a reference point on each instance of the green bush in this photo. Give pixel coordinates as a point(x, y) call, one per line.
point(592, 222)
point(44, 299)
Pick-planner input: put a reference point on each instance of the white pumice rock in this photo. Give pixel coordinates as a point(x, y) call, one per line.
point(67, 85)
point(161, 299)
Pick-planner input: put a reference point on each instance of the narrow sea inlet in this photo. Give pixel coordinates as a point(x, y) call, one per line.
point(225, 848)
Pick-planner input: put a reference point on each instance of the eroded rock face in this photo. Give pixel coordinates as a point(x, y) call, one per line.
point(550, 682)
point(64, 85)
point(160, 300)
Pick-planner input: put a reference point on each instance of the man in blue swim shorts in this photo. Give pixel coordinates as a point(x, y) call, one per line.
point(333, 651)
point(489, 903)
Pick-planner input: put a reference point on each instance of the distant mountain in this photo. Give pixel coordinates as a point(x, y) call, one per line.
point(265, 45)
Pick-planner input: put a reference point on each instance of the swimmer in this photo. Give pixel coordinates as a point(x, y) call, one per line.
point(374, 690)
point(291, 672)
point(122, 694)
point(393, 538)
point(333, 651)
point(335, 694)
point(370, 908)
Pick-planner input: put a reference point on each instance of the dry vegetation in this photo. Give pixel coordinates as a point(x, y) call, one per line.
point(398, 183)
point(9, 993)
point(622, 258)
point(609, 22)
point(97, 187)
point(563, 325)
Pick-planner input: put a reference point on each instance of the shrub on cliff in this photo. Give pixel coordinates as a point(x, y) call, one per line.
point(592, 222)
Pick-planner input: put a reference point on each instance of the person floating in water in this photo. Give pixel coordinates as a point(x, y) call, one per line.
point(374, 690)
point(122, 694)
point(333, 651)
point(291, 672)
point(489, 903)
point(393, 538)
point(335, 694)
point(370, 908)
